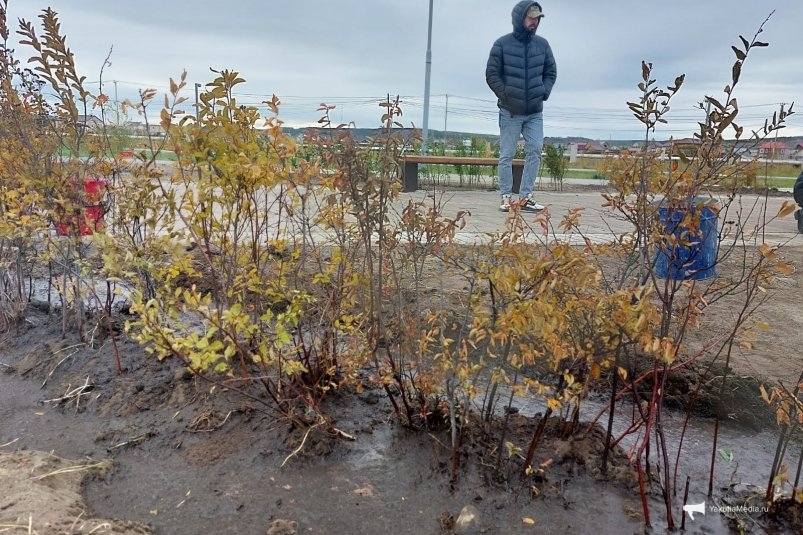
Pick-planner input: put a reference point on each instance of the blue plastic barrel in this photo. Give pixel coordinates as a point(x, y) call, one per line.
point(694, 256)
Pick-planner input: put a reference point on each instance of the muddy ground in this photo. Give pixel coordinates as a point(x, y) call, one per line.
point(153, 451)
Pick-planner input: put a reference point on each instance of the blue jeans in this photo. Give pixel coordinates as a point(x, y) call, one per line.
point(510, 128)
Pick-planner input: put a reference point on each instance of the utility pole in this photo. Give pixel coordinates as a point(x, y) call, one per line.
point(445, 116)
point(197, 109)
point(116, 103)
point(426, 82)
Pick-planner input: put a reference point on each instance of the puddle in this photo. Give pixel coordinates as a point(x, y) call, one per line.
point(743, 460)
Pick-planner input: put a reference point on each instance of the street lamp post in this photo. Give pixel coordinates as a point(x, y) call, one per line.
point(426, 82)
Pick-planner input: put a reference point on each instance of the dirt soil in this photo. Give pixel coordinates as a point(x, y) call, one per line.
point(86, 450)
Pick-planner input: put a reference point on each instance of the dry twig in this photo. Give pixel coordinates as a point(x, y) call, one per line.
point(29, 527)
point(101, 466)
point(76, 347)
point(9, 443)
point(300, 446)
point(75, 394)
point(136, 441)
point(205, 418)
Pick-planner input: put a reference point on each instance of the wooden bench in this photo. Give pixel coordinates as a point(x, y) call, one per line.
point(412, 161)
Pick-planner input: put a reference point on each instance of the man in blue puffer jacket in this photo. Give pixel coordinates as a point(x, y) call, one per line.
point(797, 193)
point(521, 71)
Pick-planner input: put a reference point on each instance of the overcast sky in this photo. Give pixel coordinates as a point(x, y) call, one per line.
point(353, 53)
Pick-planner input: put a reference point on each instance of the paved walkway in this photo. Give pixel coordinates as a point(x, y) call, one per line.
point(600, 223)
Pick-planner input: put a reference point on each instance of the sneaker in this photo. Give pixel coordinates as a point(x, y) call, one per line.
point(505, 206)
point(528, 204)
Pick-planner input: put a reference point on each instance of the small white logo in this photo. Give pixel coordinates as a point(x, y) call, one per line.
point(692, 508)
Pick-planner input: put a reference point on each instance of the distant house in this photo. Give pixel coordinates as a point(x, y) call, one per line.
point(591, 147)
point(774, 150)
point(649, 146)
point(141, 129)
point(83, 123)
point(90, 121)
point(687, 146)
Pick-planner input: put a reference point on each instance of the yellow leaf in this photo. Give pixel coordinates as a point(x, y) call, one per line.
point(595, 371)
point(787, 209)
point(785, 268)
point(782, 418)
point(154, 512)
point(768, 251)
point(528, 520)
point(512, 449)
point(746, 345)
point(764, 394)
point(669, 351)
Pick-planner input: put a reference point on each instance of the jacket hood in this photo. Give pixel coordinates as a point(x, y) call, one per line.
point(519, 10)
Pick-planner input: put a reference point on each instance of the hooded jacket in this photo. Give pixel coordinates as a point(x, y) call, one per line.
point(797, 190)
point(521, 69)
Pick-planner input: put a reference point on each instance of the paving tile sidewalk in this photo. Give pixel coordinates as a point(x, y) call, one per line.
point(598, 222)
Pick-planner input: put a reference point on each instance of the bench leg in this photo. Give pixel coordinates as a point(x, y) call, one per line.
point(410, 177)
point(517, 172)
